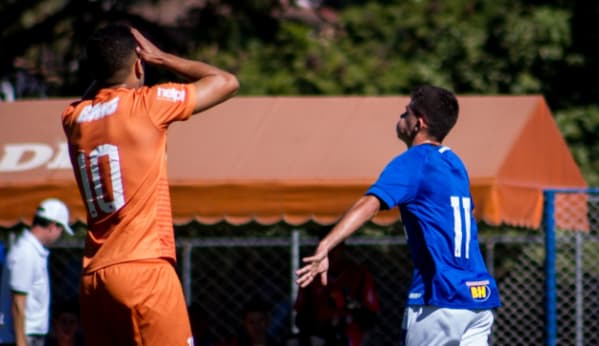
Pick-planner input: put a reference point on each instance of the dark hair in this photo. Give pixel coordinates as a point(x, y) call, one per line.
point(439, 108)
point(40, 221)
point(110, 51)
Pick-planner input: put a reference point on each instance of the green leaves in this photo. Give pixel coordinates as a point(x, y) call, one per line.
point(580, 126)
point(368, 48)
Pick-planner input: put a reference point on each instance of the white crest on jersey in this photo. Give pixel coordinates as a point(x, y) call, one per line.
point(415, 295)
point(98, 111)
point(171, 94)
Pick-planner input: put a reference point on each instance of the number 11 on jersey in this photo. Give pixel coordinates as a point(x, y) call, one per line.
point(462, 214)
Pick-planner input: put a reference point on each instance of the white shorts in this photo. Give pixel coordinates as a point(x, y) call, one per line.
point(434, 326)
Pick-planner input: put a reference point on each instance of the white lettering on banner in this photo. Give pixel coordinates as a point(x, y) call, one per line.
point(98, 111)
point(20, 157)
point(171, 94)
point(61, 160)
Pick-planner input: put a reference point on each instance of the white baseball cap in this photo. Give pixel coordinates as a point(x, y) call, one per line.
point(55, 210)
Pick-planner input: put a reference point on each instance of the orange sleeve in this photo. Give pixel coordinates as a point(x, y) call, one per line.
point(169, 102)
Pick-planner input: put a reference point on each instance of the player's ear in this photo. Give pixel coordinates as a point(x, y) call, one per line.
point(421, 123)
point(139, 68)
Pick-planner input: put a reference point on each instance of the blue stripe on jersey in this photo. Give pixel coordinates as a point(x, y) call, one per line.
point(431, 188)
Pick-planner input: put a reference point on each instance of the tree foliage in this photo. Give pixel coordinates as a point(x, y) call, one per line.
point(348, 47)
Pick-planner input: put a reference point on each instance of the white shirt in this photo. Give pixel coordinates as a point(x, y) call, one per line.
point(25, 271)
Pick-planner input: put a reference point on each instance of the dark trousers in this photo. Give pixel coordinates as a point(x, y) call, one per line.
point(32, 340)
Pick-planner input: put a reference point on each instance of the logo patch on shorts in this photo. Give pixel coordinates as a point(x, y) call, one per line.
point(479, 290)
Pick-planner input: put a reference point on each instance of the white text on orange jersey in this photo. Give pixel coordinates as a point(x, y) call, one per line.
point(171, 94)
point(98, 111)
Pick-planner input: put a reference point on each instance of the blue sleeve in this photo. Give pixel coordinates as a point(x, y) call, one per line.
point(399, 181)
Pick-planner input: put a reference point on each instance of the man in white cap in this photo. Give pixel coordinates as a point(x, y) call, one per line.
point(25, 289)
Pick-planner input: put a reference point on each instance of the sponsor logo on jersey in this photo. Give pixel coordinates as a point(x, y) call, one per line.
point(171, 94)
point(479, 290)
point(98, 111)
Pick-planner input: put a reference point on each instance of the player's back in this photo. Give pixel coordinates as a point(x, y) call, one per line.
point(445, 207)
point(443, 235)
point(117, 144)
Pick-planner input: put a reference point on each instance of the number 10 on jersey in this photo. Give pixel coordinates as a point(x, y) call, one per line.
point(93, 188)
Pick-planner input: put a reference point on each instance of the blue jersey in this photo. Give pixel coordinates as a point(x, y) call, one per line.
point(430, 185)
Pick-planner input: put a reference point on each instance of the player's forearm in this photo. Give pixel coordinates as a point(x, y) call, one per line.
point(361, 212)
point(18, 312)
point(192, 70)
point(20, 339)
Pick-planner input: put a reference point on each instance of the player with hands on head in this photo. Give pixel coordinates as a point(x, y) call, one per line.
point(452, 295)
point(130, 293)
point(212, 85)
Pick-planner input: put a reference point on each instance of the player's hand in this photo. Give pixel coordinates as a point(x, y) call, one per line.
point(318, 264)
point(146, 50)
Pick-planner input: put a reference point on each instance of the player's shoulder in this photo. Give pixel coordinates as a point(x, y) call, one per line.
point(414, 154)
point(169, 91)
point(104, 101)
point(71, 109)
point(450, 156)
point(99, 100)
point(438, 153)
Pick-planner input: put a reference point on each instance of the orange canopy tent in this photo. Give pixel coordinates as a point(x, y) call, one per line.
point(300, 159)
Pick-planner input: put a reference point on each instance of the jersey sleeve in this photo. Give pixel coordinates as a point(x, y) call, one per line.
point(22, 269)
point(399, 181)
point(169, 102)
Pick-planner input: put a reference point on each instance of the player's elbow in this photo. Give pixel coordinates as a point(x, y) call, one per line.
point(369, 204)
point(229, 84)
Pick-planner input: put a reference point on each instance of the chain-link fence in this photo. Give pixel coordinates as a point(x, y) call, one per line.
point(220, 275)
point(571, 227)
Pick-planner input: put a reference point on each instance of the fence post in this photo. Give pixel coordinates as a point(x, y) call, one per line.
point(490, 258)
point(295, 263)
point(186, 271)
point(550, 274)
point(579, 290)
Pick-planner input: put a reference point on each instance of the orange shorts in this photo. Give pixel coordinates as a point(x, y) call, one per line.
point(134, 303)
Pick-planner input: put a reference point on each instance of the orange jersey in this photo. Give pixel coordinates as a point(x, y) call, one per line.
point(117, 145)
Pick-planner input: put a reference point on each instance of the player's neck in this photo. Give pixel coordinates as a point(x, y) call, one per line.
point(429, 141)
point(132, 81)
point(420, 138)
